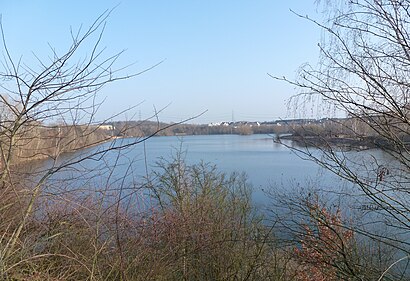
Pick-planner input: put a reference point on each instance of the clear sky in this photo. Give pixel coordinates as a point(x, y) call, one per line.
point(217, 52)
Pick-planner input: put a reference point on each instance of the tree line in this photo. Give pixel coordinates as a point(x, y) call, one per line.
point(194, 222)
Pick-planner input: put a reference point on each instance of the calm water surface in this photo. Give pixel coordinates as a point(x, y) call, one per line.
point(267, 164)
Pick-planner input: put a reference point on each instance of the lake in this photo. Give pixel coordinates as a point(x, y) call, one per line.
point(271, 168)
point(266, 163)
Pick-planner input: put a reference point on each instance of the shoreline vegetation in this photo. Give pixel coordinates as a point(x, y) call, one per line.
point(195, 222)
point(50, 141)
point(348, 133)
point(192, 208)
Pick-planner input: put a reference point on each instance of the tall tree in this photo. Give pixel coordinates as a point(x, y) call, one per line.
point(364, 74)
point(46, 109)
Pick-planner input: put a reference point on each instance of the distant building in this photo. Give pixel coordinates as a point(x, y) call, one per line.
point(218, 124)
point(106, 127)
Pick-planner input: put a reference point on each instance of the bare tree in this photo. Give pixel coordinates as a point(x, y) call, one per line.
point(46, 110)
point(364, 75)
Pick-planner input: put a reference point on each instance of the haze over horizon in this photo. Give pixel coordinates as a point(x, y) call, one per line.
point(215, 54)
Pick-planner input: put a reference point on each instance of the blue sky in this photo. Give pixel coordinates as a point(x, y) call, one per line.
point(217, 53)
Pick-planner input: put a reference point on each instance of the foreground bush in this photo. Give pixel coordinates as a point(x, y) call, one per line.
point(194, 223)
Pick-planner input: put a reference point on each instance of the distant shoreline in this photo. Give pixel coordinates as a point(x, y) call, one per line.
point(340, 141)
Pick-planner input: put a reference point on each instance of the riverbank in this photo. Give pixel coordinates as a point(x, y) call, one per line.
point(343, 141)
